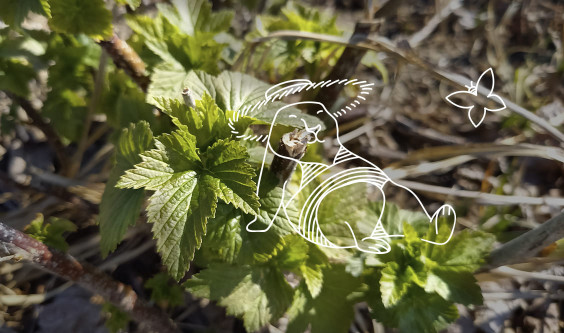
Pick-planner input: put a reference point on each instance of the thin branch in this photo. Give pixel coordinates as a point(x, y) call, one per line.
point(50, 134)
point(527, 245)
point(28, 249)
point(126, 58)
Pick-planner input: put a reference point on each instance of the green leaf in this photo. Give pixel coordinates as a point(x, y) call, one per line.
point(206, 122)
point(116, 319)
point(419, 312)
point(14, 12)
point(15, 75)
point(395, 283)
point(456, 286)
point(465, 251)
point(187, 185)
point(77, 16)
point(120, 208)
point(164, 292)
point(259, 293)
point(196, 16)
point(51, 233)
point(231, 91)
point(177, 49)
point(331, 311)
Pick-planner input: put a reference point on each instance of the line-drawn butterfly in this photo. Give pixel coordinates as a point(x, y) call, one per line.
point(477, 115)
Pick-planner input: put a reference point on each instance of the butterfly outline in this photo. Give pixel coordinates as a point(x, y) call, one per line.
point(473, 90)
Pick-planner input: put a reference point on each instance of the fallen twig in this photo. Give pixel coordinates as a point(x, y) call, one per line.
point(28, 249)
point(292, 145)
point(527, 245)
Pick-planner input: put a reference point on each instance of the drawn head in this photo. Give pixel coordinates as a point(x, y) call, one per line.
point(314, 125)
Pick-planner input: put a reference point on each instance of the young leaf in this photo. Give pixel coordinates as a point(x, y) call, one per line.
point(50, 233)
point(331, 311)
point(116, 319)
point(196, 16)
point(15, 75)
point(231, 91)
point(164, 292)
point(257, 293)
point(187, 185)
point(120, 208)
point(76, 16)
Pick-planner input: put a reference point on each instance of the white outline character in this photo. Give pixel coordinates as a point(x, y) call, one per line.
point(307, 226)
point(473, 90)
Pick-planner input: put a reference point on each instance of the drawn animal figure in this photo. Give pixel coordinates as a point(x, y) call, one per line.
point(336, 178)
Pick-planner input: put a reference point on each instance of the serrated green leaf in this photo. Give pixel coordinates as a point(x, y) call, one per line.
point(14, 12)
point(187, 185)
point(196, 16)
point(76, 16)
point(177, 49)
point(259, 293)
point(231, 91)
point(465, 251)
point(455, 286)
point(395, 283)
point(331, 311)
point(206, 121)
point(120, 208)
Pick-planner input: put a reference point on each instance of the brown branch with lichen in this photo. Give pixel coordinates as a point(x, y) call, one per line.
point(126, 58)
point(20, 246)
point(294, 146)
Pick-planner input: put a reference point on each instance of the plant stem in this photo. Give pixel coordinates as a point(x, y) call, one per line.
point(23, 247)
point(76, 159)
point(126, 58)
point(294, 146)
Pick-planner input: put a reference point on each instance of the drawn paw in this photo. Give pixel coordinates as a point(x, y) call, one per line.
point(449, 215)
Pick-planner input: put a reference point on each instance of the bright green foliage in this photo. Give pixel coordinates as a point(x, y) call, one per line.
point(14, 12)
point(420, 282)
point(258, 293)
point(179, 41)
point(188, 179)
point(286, 57)
point(196, 17)
point(116, 319)
point(231, 91)
point(120, 208)
point(50, 233)
point(76, 16)
point(70, 83)
point(163, 292)
point(332, 310)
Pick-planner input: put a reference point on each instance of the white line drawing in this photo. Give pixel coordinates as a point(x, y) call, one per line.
point(473, 90)
point(377, 241)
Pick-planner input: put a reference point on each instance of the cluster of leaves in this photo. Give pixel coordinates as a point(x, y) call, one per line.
point(199, 175)
point(284, 59)
point(50, 233)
